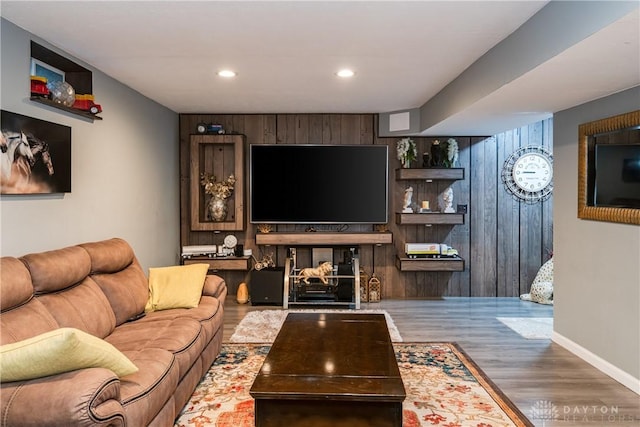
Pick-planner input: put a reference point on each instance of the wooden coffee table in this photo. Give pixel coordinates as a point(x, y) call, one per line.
point(330, 369)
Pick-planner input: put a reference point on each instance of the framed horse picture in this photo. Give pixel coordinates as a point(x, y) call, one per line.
point(35, 155)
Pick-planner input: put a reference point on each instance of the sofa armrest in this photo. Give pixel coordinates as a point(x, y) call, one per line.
point(215, 286)
point(87, 397)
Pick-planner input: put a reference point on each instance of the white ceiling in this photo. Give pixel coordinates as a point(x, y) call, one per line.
point(286, 54)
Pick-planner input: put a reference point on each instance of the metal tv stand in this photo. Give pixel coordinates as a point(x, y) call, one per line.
point(298, 293)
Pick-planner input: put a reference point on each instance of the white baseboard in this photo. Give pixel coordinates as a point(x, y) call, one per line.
point(597, 362)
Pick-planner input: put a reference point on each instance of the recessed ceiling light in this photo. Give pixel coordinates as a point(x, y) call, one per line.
point(345, 73)
point(226, 73)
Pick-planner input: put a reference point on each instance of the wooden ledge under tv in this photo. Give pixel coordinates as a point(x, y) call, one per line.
point(324, 238)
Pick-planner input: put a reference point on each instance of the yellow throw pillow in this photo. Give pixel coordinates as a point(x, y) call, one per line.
point(179, 286)
point(58, 351)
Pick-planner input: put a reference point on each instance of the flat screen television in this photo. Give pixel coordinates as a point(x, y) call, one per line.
point(318, 184)
point(617, 175)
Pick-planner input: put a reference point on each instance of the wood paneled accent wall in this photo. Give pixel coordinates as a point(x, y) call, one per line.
point(503, 241)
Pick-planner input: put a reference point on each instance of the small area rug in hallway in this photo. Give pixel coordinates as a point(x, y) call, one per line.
point(262, 326)
point(531, 328)
point(444, 387)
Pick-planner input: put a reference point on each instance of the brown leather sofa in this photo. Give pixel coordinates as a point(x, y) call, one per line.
point(101, 289)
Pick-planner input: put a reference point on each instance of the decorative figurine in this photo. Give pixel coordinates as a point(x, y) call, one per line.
point(426, 160)
point(406, 206)
point(265, 228)
point(242, 296)
point(447, 201)
point(436, 154)
point(319, 272)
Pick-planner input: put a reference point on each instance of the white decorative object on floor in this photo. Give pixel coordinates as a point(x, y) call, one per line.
point(531, 328)
point(542, 286)
point(262, 326)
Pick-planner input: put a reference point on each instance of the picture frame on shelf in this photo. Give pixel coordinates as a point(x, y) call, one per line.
point(42, 69)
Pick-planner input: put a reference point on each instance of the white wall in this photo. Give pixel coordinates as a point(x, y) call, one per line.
point(124, 168)
point(597, 264)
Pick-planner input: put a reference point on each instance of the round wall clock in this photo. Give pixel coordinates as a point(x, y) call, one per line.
point(230, 241)
point(528, 174)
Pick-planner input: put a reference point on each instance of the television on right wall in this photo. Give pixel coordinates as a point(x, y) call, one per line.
point(617, 175)
point(609, 169)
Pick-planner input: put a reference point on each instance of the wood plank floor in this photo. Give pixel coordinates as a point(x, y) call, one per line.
point(532, 373)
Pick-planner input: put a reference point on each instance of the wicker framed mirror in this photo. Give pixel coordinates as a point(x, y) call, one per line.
point(622, 131)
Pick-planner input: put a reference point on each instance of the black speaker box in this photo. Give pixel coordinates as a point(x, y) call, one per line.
point(345, 285)
point(266, 286)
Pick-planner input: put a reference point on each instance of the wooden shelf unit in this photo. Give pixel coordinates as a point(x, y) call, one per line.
point(429, 264)
point(404, 263)
point(324, 238)
point(220, 155)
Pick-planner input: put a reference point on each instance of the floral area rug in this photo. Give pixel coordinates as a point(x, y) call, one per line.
point(262, 326)
point(444, 387)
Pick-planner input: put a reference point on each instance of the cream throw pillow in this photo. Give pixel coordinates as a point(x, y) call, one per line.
point(58, 351)
point(176, 287)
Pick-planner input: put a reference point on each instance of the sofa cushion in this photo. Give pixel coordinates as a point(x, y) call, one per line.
point(176, 287)
point(83, 307)
point(16, 283)
point(59, 278)
point(18, 304)
point(117, 271)
point(58, 351)
point(127, 291)
point(208, 309)
point(180, 336)
point(14, 327)
point(57, 270)
point(109, 256)
point(144, 393)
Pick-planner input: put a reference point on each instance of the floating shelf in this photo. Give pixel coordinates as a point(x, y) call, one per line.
point(75, 111)
point(80, 78)
point(228, 263)
point(429, 218)
point(430, 264)
point(453, 174)
point(324, 238)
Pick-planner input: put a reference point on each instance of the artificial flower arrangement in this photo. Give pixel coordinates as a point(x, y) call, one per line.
point(222, 190)
point(452, 152)
point(407, 151)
